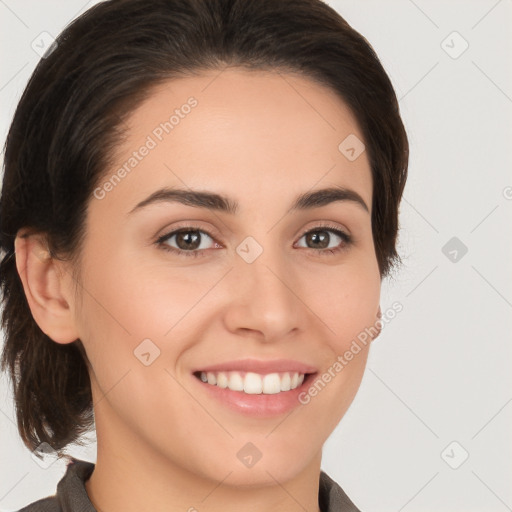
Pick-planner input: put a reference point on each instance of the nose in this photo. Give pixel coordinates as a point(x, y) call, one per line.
point(266, 298)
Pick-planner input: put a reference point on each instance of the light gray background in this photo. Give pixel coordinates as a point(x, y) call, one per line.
point(441, 370)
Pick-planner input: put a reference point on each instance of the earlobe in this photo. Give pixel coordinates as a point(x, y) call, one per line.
point(43, 283)
point(378, 323)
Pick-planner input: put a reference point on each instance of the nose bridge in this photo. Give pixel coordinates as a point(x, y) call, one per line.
point(266, 272)
point(265, 288)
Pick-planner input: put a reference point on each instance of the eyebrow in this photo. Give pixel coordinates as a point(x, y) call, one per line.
point(217, 202)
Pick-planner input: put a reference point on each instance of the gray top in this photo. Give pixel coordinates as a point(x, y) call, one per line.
point(71, 495)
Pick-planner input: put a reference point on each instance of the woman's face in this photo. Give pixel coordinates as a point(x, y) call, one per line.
point(267, 283)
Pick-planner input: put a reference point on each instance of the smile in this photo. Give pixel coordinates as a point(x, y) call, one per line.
point(253, 383)
point(253, 394)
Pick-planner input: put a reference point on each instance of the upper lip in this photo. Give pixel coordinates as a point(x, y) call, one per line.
point(260, 366)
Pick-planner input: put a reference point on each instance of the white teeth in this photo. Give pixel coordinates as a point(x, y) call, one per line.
point(235, 382)
point(286, 382)
point(222, 380)
point(254, 383)
point(271, 384)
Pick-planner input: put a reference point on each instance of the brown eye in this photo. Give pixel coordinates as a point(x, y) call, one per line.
point(320, 239)
point(189, 241)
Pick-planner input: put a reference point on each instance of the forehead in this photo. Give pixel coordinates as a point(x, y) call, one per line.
point(245, 133)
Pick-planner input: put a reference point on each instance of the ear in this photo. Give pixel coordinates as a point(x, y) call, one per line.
point(46, 285)
point(378, 323)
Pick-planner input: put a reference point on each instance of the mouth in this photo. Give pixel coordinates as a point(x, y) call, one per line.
point(252, 383)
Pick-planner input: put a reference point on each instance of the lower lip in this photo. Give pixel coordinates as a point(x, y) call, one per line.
point(260, 405)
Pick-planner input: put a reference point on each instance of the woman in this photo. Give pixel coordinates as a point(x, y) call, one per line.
point(199, 204)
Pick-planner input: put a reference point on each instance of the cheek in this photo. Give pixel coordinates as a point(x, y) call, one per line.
point(119, 310)
point(345, 300)
point(347, 313)
point(135, 299)
point(127, 301)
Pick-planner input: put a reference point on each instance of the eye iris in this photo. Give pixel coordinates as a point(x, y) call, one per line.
point(191, 240)
point(315, 236)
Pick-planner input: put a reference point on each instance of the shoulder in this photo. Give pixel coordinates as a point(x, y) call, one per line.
point(71, 495)
point(50, 504)
point(332, 497)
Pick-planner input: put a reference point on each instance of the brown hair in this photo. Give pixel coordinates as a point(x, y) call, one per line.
point(70, 119)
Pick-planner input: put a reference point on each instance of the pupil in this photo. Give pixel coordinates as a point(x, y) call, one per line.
point(191, 240)
point(320, 235)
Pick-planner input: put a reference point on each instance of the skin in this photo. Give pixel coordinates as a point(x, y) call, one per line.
point(162, 444)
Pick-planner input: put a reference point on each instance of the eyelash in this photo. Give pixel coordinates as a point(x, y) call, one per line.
point(347, 240)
